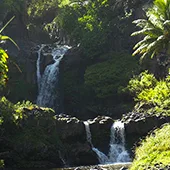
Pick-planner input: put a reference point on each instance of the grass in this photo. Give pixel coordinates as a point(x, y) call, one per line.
point(154, 150)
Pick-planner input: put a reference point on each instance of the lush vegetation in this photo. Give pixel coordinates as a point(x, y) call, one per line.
point(4, 57)
point(100, 87)
point(111, 75)
point(154, 151)
point(156, 32)
point(152, 95)
point(100, 30)
point(27, 134)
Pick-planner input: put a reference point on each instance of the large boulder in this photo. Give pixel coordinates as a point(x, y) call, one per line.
point(100, 130)
point(73, 136)
point(71, 129)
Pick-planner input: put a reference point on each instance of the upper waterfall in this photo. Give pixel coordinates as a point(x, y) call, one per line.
point(48, 82)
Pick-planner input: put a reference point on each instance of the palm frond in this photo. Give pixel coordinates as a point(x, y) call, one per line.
point(155, 29)
point(147, 39)
point(140, 23)
point(143, 56)
point(6, 24)
point(153, 54)
point(3, 37)
point(138, 50)
point(143, 31)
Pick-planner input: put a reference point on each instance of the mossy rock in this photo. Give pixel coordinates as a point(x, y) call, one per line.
point(110, 76)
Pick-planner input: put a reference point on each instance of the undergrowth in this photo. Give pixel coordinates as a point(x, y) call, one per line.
point(153, 151)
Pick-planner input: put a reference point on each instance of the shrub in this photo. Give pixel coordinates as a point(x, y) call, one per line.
point(110, 77)
point(151, 95)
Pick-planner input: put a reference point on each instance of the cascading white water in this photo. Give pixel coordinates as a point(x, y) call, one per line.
point(117, 152)
point(38, 65)
point(101, 156)
point(48, 82)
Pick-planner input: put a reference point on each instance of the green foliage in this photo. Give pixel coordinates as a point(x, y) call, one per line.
point(13, 5)
point(155, 149)
point(3, 68)
point(37, 8)
point(6, 110)
point(110, 77)
point(4, 57)
point(156, 32)
point(24, 104)
point(94, 25)
point(151, 95)
point(1, 163)
point(28, 132)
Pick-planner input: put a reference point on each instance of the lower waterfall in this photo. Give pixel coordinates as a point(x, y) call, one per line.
point(101, 156)
point(117, 152)
point(48, 82)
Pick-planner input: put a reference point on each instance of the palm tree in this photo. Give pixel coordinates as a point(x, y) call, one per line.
point(156, 33)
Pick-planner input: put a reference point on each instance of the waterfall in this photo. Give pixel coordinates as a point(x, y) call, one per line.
point(38, 65)
point(63, 160)
point(48, 82)
point(117, 151)
point(101, 156)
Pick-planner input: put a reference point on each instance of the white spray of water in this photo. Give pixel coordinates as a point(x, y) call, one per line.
point(101, 156)
point(38, 65)
point(117, 152)
point(49, 81)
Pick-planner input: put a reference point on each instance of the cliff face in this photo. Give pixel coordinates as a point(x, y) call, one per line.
point(96, 87)
point(22, 83)
point(90, 86)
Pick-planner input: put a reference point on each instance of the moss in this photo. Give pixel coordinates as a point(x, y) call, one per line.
point(154, 150)
point(111, 75)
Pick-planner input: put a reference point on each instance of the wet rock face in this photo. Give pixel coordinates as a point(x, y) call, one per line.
point(71, 129)
point(100, 131)
point(53, 140)
point(141, 124)
point(81, 154)
point(73, 136)
point(22, 63)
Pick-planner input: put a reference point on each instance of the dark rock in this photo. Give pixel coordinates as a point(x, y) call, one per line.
point(45, 61)
point(72, 69)
point(81, 154)
point(71, 129)
point(97, 168)
point(100, 130)
point(138, 125)
point(123, 168)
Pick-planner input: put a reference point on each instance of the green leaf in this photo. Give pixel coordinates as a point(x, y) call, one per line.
point(7, 24)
